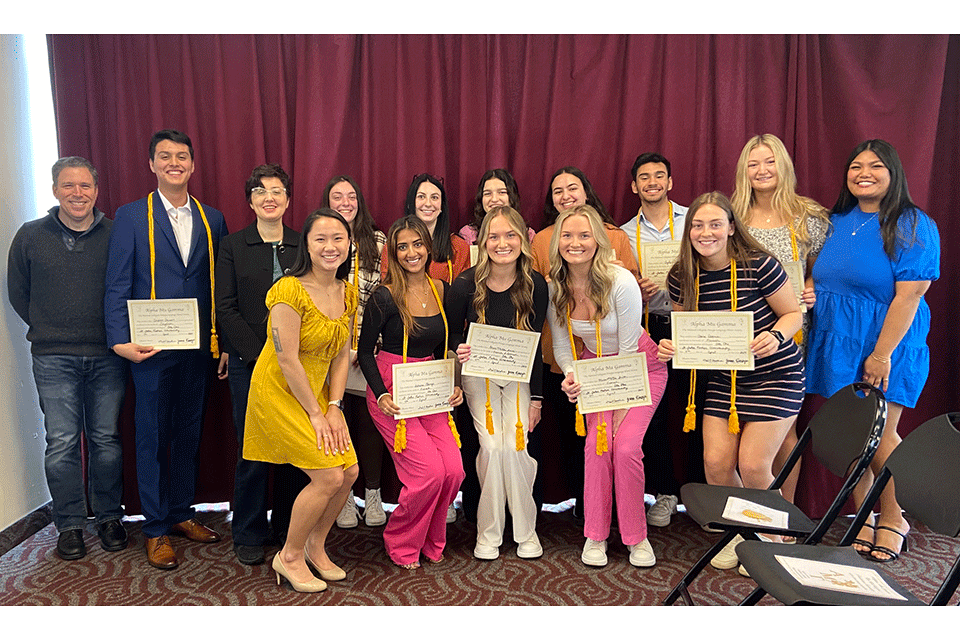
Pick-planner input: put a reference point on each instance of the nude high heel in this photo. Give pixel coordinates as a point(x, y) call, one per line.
point(332, 575)
point(312, 586)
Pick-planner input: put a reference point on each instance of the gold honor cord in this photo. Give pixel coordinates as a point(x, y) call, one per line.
point(798, 336)
point(400, 437)
point(602, 427)
point(355, 339)
point(488, 409)
point(450, 272)
point(690, 419)
point(646, 310)
point(214, 345)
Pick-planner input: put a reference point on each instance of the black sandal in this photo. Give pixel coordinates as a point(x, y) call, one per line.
point(891, 554)
point(868, 552)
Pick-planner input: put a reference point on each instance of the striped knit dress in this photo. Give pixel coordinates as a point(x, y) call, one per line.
point(774, 389)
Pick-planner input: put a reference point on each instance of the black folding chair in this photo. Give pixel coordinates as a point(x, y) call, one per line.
point(844, 435)
point(926, 478)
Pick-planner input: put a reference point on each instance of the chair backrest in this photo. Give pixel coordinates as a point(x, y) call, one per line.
point(848, 427)
point(926, 474)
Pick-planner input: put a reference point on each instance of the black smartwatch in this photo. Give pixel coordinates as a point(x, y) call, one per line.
point(776, 334)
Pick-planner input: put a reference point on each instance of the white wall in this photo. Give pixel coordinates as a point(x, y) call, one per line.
point(22, 484)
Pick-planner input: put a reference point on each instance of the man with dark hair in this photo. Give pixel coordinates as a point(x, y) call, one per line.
point(658, 220)
point(162, 247)
point(55, 279)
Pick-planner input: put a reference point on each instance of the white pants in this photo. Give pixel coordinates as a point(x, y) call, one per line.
point(506, 475)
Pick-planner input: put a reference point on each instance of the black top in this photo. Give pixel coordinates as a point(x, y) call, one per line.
point(500, 313)
point(381, 318)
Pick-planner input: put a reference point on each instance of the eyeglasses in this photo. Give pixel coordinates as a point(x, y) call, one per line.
point(260, 192)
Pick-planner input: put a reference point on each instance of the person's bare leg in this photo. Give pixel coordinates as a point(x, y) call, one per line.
point(307, 510)
point(789, 487)
point(720, 453)
point(317, 539)
point(890, 514)
point(758, 447)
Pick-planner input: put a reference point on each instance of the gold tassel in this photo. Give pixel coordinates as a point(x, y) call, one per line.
point(733, 422)
point(214, 344)
point(521, 441)
point(798, 337)
point(453, 428)
point(578, 424)
point(602, 436)
point(489, 410)
point(400, 437)
point(690, 419)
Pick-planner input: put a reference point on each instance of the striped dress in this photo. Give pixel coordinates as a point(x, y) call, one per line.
point(774, 389)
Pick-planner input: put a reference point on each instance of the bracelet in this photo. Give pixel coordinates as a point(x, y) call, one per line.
point(879, 359)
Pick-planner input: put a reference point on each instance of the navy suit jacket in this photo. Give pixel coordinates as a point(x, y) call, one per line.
point(128, 265)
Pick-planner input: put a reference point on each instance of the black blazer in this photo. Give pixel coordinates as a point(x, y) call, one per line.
point(244, 275)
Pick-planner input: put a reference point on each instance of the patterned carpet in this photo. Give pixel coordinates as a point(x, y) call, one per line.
point(32, 574)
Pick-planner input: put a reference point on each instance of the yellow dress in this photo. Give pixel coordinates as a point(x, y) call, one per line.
point(277, 427)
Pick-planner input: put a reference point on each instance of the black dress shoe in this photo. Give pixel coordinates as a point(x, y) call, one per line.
point(248, 555)
point(70, 545)
point(113, 535)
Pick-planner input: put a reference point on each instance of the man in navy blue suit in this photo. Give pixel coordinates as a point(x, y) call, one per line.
point(170, 257)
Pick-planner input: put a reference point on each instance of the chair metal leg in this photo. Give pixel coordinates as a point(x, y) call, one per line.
point(755, 596)
point(695, 570)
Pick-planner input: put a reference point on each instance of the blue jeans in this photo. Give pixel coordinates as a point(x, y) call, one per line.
point(82, 394)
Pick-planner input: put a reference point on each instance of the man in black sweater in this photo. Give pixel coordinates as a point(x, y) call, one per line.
point(55, 274)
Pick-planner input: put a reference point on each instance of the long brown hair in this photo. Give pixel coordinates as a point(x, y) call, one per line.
point(364, 228)
point(521, 291)
point(600, 281)
point(740, 246)
point(396, 280)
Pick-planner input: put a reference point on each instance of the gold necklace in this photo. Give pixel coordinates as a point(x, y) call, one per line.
point(419, 299)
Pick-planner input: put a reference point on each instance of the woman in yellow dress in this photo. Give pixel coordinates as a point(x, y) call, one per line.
point(293, 415)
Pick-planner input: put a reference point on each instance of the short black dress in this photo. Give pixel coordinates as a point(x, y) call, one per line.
point(774, 389)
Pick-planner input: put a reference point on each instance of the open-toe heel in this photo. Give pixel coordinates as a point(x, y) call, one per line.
point(868, 544)
point(891, 553)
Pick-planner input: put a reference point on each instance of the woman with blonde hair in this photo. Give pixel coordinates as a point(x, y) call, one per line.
point(745, 413)
point(601, 303)
point(789, 226)
point(502, 290)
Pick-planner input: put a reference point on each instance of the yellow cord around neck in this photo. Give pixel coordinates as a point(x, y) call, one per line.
point(400, 437)
point(798, 336)
point(355, 339)
point(602, 444)
point(690, 419)
point(214, 344)
point(488, 408)
point(646, 310)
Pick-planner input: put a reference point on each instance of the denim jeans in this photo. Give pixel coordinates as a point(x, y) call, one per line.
point(82, 394)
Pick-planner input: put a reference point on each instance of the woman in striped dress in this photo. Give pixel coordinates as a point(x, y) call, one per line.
point(741, 431)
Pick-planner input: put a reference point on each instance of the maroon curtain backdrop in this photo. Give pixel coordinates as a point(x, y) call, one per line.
point(383, 108)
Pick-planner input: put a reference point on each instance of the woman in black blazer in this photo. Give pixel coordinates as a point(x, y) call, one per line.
point(249, 262)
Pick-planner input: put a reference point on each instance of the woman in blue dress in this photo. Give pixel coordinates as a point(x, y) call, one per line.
point(871, 322)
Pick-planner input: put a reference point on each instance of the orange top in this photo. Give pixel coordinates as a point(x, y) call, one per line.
point(445, 271)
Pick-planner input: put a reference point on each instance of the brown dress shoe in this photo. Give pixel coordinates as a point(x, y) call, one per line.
point(160, 553)
point(195, 531)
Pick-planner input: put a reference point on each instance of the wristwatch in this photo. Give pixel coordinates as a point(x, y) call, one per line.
point(776, 334)
point(336, 403)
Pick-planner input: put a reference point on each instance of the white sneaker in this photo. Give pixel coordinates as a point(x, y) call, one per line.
point(486, 552)
point(373, 514)
point(451, 514)
point(641, 554)
point(727, 558)
point(743, 571)
point(659, 514)
point(530, 549)
point(594, 553)
point(348, 518)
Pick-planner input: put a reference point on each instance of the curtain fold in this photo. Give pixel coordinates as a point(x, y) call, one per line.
point(385, 107)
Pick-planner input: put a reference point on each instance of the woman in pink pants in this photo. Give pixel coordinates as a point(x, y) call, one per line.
point(601, 303)
point(406, 312)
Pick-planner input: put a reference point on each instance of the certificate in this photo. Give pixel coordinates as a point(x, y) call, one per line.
point(500, 353)
point(794, 270)
point(838, 577)
point(422, 388)
point(614, 382)
point(712, 340)
point(740, 510)
point(656, 258)
point(173, 323)
point(356, 383)
point(474, 255)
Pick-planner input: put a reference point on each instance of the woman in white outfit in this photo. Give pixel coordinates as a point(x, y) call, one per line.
point(502, 290)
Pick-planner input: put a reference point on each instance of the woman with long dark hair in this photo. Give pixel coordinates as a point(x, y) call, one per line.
point(406, 313)
point(294, 415)
point(343, 195)
point(497, 188)
point(871, 321)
